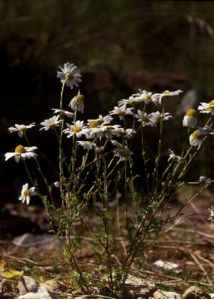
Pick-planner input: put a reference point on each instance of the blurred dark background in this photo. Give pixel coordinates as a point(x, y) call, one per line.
point(119, 45)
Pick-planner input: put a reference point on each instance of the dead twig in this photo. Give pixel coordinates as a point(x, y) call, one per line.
point(20, 259)
point(201, 267)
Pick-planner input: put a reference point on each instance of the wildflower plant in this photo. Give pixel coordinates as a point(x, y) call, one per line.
point(97, 178)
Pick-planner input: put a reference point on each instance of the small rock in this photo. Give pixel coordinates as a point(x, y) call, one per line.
point(52, 286)
point(27, 284)
point(166, 265)
point(211, 296)
point(42, 241)
point(195, 292)
point(41, 293)
point(138, 287)
point(159, 294)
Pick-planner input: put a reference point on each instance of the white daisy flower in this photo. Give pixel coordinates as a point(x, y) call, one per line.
point(157, 98)
point(77, 102)
point(121, 151)
point(50, 123)
point(21, 152)
point(70, 75)
point(95, 132)
point(129, 132)
point(157, 116)
point(88, 145)
point(76, 129)
point(196, 138)
point(112, 130)
point(63, 112)
point(20, 128)
point(94, 123)
point(26, 193)
point(207, 108)
point(145, 119)
point(141, 96)
point(190, 118)
point(121, 111)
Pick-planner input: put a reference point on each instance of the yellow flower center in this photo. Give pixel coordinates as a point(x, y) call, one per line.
point(191, 112)
point(79, 97)
point(76, 129)
point(196, 134)
point(26, 193)
point(51, 126)
point(69, 76)
point(23, 129)
point(148, 97)
point(20, 149)
point(145, 119)
point(167, 92)
point(95, 123)
point(211, 108)
point(122, 113)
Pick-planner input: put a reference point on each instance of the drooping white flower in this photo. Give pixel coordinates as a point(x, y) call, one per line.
point(26, 193)
point(76, 129)
point(207, 108)
point(69, 75)
point(20, 128)
point(88, 145)
point(63, 112)
point(50, 123)
point(190, 118)
point(21, 152)
point(121, 111)
point(77, 102)
point(157, 97)
point(196, 138)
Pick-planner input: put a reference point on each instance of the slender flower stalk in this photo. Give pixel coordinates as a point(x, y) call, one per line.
point(60, 158)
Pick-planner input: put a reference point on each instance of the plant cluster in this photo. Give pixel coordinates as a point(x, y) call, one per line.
point(97, 178)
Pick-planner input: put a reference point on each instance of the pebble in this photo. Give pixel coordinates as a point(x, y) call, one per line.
point(27, 284)
point(159, 294)
point(138, 287)
point(195, 292)
point(42, 293)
